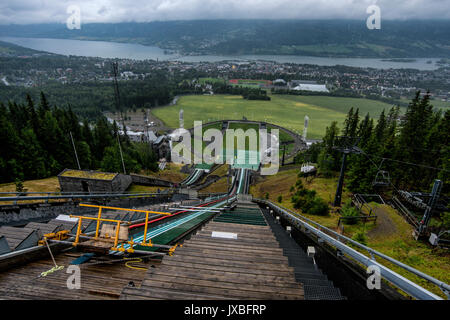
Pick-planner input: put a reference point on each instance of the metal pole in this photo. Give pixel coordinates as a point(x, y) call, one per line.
point(116, 239)
point(121, 156)
point(145, 229)
point(77, 238)
point(75, 149)
point(50, 251)
point(337, 198)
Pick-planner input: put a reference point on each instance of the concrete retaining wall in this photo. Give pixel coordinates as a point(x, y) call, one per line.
point(149, 181)
point(22, 214)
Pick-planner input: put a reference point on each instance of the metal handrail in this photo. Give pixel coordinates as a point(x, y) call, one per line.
point(404, 284)
point(80, 196)
point(364, 218)
point(62, 192)
point(412, 220)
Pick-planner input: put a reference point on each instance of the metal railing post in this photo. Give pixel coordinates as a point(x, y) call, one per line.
point(98, 221)
point(116, 240)
point(77, 238)
point(145, 229)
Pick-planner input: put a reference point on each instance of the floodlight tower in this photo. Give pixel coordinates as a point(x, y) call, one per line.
point(305, 127)
point(346, 145)
point(181, 118)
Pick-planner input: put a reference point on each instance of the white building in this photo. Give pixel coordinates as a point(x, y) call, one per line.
point(311, 87)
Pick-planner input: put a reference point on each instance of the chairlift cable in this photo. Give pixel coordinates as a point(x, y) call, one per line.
point(411, 163)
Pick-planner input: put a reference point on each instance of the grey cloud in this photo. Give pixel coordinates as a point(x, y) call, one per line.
point(41, 11)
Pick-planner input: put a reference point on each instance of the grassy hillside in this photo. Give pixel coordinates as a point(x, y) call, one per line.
point(42, 185)
point(281, 183)
point(391, 234)
point(284, 110)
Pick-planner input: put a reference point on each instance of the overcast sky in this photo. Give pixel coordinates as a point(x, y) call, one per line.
point(42, 11)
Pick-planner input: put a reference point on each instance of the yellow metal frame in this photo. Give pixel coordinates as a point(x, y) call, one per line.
point(99, 219)
point(60, 235)
point(172, 250)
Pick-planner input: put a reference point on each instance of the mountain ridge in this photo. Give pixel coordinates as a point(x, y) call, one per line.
point(330, 38)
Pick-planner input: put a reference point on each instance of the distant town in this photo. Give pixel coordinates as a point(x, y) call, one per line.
point(41, 69)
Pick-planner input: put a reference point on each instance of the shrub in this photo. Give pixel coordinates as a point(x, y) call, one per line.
point(360, 237)
point(299, 184)
point(308, 201)
point(349, 211)
point(19, 186)
point(445, 217)
point(267, 195)
point(280, 198)
point(319, 207)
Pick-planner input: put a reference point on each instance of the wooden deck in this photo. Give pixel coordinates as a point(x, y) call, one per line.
point(103, 281)
point(250, 267)
point(16, 237)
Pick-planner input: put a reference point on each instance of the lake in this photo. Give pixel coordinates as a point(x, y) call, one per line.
point(106, 49)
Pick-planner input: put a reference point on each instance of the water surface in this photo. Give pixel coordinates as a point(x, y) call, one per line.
point(106, 49)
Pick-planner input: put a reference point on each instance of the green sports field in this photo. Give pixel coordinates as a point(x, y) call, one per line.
point(284, 110)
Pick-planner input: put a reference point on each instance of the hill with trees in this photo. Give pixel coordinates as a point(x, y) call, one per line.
point(415, 148)
point(331, 38)
point(36, 143)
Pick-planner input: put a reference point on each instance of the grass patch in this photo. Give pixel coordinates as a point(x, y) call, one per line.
point(88, 174)
point(417, 254)
point(41, 185)
point(399, 245)
point(171, 173)
point(281, 183)
point(285, 110)
point(139, 188)
point(216, 187)
point(221, 171)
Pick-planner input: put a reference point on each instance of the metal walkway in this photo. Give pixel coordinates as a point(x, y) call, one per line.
point(315, 283)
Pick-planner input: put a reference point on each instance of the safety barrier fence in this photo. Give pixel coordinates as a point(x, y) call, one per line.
point(355, 219)
point(410, 218)
point(362, 204)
